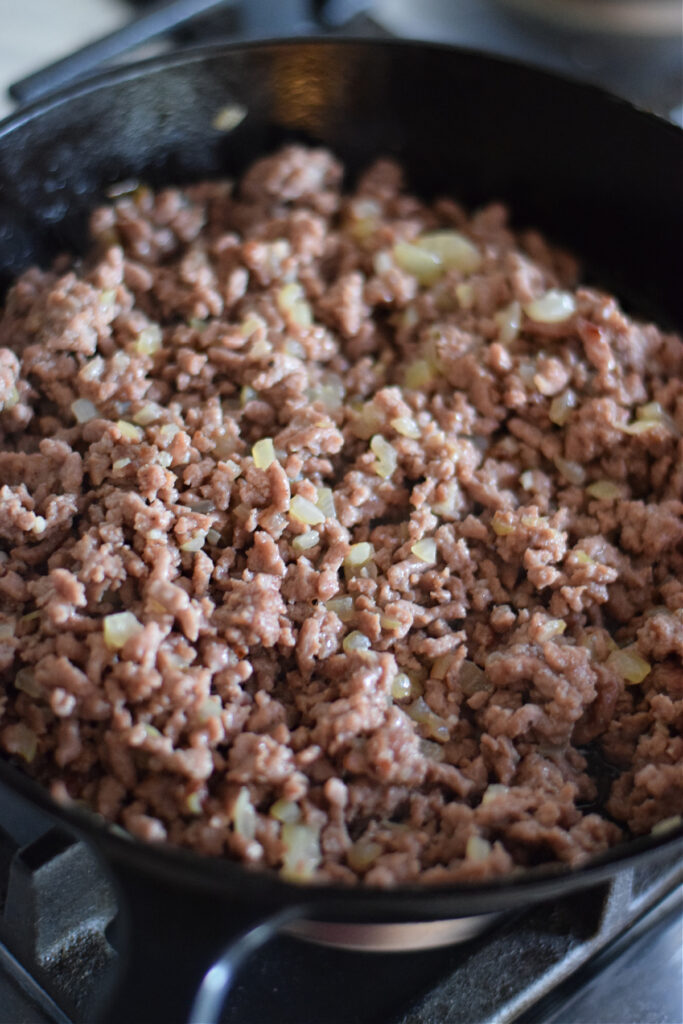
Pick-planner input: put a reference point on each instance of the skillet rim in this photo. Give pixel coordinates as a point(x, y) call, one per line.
point(226, 877)
point(198, 53)
point(184, 866)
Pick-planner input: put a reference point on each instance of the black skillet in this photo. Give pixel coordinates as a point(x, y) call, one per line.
point(591, 171)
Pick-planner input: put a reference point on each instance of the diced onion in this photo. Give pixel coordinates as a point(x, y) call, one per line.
point(472, 678)
point(408, 318)
point(129, 430)
point(604, 490)
point(341, 606)
point(561, 406)
point(441, 665)
point(107, 298)
point(638, 427)
point(451, 500)
point(263, 453)
point(425, 266)
point(509, 321)
point(120, 464)
point(666, 825)
point(306, 541)
point(478, 849)
point(417, 678)
point(385, 453)
point(291, 302)
point(305, 511)
point(501, 526)
point(464, 293)
point(119, 628)
point(527, 371)
point(23, 742)
point(401, 686)
point(551, 308)
point(356, 641)
point(294, 348)
point(261, 348)
point(147, 414)
point(654, 413)
point(120, 361)
point(425, 550)
point(25, 681)
point(382, 262)
point(362, 854)
point(213, 537)
point(360, 554)
point(364, 218)
point(168, 431)
point(325, 502)
point(330, 391)
point(421, 713)
point(551, 628)
point(492, 792)
point(149, 340)
point(10, 400)
point(193, 803)
point(419, 374)
point(648, 417)
point(227, 118)
point(301, 851)
point(431, 750)
point(285, 811)
point(252, 324)
point(288, 295)
point(93, 369)
point(195, 542)
point(212, 707)
point(84, 410)
point(243, 815)
point(406, 426)
point(571, 471)
point(629, 665)
point(39, 525)
point(455, 251)
point(367, 420)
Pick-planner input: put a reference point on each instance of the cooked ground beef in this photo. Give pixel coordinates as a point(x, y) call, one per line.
point(336, 530)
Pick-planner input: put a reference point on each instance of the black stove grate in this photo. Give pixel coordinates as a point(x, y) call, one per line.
point(56, 909)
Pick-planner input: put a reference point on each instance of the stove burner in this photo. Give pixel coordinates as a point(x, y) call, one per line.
point(386, 938)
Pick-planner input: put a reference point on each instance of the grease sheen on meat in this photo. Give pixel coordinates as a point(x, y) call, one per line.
point(335, 529)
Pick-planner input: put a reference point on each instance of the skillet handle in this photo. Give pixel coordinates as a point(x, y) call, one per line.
point(179, 952)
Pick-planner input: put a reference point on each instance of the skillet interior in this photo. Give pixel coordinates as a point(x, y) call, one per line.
point(590, 171)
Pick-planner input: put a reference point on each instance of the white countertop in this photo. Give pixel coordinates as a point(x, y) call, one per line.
point(36, 32)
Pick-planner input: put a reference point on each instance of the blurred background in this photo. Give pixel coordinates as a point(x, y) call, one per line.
point(632, 47)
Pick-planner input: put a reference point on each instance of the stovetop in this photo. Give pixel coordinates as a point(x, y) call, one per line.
point(610, 956)
point(645, 66)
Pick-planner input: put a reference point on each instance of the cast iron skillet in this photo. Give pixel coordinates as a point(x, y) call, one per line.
point(591, 171)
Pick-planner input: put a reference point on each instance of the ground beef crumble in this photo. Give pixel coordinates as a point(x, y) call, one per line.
point(335, 528)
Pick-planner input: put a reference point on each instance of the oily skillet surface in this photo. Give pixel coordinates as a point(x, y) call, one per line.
point(592, 172)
